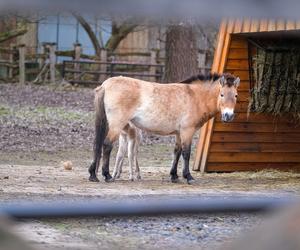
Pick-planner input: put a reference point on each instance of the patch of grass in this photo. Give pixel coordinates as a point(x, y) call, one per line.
point(54, 113)
point(60, 226)
point(4, 111)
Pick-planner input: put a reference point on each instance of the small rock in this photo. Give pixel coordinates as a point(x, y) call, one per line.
point(6, 177)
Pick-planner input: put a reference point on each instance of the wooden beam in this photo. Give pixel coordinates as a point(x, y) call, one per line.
point(226, 29)
point(215, 66)
point(251, 166)
point(200, 146)
point(206, 145)
point(22, 64)
point(52, 61)
point(226, 147)
point(255, 157)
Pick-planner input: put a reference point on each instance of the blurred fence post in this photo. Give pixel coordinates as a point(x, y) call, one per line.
point(202, 62)
point(77, 55)
point(152, 70)
point(22, 63)
point(11, 61)
point(103, 65)
point(52, 60)
point(41, 58)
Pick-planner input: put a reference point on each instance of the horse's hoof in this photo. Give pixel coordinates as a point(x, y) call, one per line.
point(174, 179)
point(191, 181)
point(93, 178)
point(189, 178)
point(108, 178)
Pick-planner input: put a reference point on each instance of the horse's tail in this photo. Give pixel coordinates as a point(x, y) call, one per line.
point(101, 128)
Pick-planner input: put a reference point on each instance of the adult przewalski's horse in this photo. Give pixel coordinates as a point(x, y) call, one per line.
point(163, 109)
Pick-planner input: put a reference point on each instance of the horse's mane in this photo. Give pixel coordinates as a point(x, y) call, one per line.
point(210, 77)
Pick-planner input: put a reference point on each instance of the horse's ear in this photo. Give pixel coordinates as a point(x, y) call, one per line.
point(237, 82)
point(222, 81)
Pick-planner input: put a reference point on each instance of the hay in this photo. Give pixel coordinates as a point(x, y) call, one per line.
point(261, 174)
point(264, 180)
point(275, 80)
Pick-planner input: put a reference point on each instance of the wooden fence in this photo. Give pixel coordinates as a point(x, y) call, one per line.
point(96, 71)
point(21, 65)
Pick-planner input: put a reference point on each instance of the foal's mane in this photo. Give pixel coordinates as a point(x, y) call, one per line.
point(210, 77)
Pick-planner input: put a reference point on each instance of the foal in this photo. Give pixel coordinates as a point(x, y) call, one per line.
point(129, 140)
point(164, 109)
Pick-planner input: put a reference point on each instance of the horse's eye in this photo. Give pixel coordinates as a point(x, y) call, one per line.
point(222, 95)
point(236, 96)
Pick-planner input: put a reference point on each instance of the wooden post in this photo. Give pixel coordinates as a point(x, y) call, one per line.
point(41, 59)
point(52, 61)
point(201, 62)
point(152, 70)
point(11, 61)
point(206, 130)
point(22, 64)
point(77, 55)
point(103, 67)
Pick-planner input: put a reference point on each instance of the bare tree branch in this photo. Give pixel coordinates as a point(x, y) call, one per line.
point(7, 35)
point(87, 27)
point(119, 32)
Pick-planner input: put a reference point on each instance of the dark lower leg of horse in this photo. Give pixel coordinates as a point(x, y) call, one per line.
point(92, 171)
point(107, 148)
point(137, 169)
point(173, 172)
point(186, 153)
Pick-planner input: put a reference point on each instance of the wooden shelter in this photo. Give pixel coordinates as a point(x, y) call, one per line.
point(257, 141)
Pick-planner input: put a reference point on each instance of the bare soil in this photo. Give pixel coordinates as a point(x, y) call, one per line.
point(43, 126)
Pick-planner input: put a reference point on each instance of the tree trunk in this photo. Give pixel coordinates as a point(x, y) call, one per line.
point(118, 34)
point(87, 27)
point(181, 53)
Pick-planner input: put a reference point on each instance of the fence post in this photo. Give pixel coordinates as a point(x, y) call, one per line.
point(11, 61)
point(77, 55)
point(201, 62)
point(103, 65)
point(152, 70)
point(41, 58)
point(52, 61)
point(22, 63)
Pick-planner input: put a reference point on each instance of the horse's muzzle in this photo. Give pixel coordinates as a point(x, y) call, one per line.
point(227, 115)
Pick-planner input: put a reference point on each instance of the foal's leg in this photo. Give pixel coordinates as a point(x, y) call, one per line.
point(177, 153)
point(138, 140)
point(133, 137)
point(186, 139)
point(120, 155)
point(131, 144)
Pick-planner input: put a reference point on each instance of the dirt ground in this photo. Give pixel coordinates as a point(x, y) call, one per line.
point(40, 127)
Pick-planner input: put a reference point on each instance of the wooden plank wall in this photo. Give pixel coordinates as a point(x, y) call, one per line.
point(254, 143)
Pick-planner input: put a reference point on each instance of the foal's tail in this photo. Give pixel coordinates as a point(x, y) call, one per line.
point(101, 128)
